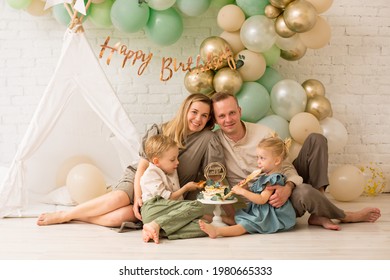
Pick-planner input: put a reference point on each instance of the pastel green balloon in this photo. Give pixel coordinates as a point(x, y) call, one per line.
point(19, 4)
point(193, 8)
point(129, 16)
point(278, 124)
point(254, 101)
point(271, 55)
point(100, 14)
point(252, 7)
point(164, 27)
point(270, 78)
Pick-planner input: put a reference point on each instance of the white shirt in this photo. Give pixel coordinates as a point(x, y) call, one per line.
point(155, 182)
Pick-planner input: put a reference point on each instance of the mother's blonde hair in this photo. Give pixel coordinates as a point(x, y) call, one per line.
point(177, 128)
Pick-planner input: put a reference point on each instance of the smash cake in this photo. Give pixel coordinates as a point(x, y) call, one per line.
point(214, 188)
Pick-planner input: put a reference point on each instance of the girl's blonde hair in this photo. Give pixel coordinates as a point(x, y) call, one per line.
point(177, 128)
point(278, 146)
point(156, 145)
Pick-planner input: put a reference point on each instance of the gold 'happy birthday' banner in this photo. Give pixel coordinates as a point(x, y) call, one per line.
point(169, 65)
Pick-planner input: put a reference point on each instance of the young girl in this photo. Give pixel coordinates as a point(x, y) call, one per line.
point(198, 145)
point(259, 216)
point(164, 211)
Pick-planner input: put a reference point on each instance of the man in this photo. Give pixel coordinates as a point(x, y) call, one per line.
point(239, 140)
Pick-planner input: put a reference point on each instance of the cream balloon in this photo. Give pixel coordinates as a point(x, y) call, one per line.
point(36, 8)
point(300, 16)
point(335, 132)
point(302, 125)
point(67, 165)
point(319, 106)
point(346, 183)
point(252, 65)
point(196, 81)
point(85, 182)
point(318, 36)
point(321, 5)
point(227, 80)
point(295, 148)
point(230, 18)
point(234, 40)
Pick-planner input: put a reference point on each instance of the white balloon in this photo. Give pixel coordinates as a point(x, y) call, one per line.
point(258, 33)
point(288, 98)
point(335, 132)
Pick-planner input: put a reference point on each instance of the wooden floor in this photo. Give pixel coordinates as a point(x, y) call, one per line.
point(22, 239)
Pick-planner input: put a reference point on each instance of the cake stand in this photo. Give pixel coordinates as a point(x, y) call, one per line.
point(217, 219)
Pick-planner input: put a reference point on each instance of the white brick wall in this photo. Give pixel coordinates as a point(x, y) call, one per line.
point(354, 68)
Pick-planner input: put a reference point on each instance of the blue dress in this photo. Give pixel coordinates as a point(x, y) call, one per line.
point(264, 218)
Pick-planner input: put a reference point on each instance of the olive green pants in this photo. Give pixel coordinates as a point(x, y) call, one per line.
point(178, 219)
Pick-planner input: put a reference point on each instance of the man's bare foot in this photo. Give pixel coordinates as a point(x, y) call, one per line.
point(368, 214)
point(209, 229)
point(323, 222)
point(151, 231)
point(46, 219)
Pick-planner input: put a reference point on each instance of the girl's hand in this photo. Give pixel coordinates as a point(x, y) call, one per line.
point(238, 189)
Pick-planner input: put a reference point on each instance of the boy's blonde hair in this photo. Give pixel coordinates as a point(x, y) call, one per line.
point(276, 145)
point(156, 145)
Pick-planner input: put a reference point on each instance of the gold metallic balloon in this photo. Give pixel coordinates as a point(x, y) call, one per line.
point(214, 51)
point(280, 3)
point(294, 54)
point(319, 106)
point(313, 87)
point(282, 29)
point(300, 16)
point(196, 81)
point(227, 80)
point(272, 11)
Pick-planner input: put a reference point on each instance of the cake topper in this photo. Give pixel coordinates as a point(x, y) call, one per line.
point(215, 171)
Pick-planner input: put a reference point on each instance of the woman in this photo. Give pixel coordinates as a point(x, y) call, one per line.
point(191, 129)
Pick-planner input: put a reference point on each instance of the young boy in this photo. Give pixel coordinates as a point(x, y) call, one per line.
point(164, 212)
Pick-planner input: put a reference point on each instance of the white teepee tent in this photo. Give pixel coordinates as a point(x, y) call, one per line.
point(79, 114)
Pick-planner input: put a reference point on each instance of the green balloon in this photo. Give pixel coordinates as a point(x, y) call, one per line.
point(129, 16)
point(252, 7)
point(269, 78)
point(164, 27)
point(271, 55)
point(193, 8)
point(254, 101)
point(100, 14)
point(278, 124)
point(19, 4)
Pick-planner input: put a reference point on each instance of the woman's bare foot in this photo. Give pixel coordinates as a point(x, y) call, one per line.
point(323, 222)
point(46, 219)
point(151, 231)
point(209, 229)
point(368, 214)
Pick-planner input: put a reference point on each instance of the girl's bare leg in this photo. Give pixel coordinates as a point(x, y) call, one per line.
point(214, 232)
point(110, 209)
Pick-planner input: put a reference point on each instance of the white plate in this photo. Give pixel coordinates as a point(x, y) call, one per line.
point(231, 201)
